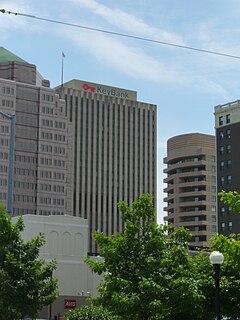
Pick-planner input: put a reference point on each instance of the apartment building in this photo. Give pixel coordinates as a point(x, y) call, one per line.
point(227, 125)
point(191, 186)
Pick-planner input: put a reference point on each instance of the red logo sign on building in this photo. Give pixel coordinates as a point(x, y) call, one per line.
point(69, 304)
point(87, 87)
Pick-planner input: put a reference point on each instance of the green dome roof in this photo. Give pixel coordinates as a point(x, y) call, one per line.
point(7, 56)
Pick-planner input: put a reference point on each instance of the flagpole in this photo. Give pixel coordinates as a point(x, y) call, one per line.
point(63, 56)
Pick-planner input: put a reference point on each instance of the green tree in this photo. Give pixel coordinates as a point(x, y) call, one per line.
point(202, 272)
point(232, 198)
point(230, 273)
point(90, 313)
point(148, 273)
point(26, 281)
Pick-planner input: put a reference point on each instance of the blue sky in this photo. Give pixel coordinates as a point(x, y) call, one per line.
point(185, 85)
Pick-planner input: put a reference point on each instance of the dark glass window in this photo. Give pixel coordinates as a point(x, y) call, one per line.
point(228, 133)
point(228, 118)
point(221, 180)
point(229, 163)
point(229, 179)
point(230, 225)
point(228, 148)
point(221, 165)
point(221, 135)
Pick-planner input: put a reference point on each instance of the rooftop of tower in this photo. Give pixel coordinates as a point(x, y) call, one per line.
point(8, 56)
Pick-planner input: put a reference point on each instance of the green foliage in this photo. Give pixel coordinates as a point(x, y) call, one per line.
point(147, 273)
point(26, 281)
point(90, 313)
point(232, 198)
point(230, 273)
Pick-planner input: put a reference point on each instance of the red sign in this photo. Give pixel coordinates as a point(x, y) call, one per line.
point(69, 304)
point(87, 87)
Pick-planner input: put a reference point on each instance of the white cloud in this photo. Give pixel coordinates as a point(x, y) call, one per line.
point(11, 22)
point(135, 62)
point(136, 59)
point(128, 22)
point(132, 58)
point(215, 36)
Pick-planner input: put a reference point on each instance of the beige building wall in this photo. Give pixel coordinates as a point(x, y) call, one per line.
point(191, 185)
point(112, 152)
point(66, 241)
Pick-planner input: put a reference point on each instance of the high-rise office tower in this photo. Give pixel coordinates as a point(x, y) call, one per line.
point(40, 152)
point(111, 152)
point(191, 185)
point(227, 124)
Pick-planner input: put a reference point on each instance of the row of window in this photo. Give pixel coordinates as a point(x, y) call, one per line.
point(47, 97)
point(190, 159)
point(229, 226)
point(224, 120)
point(223, 210)
point(55, 124)
point(25, 185)
point(222, 134)
point(25, 172)
point(3, 196)
point(197, 218)
point(53, 162)
point(60, 125)
point(51, 136)
point(50, 149)
point(228, 180)
point(24, 198)
point(4, 129)
point(194, 179)
point(22, 158)
point(7, 103)
point(21, 211)
point(228, 164)
point(47, 110)
point(3, 182)
point(33, 186)
point(51, 201)
point(48, 213)
point(3, 156)
point(52, 188)
point(7, 90)
point(3, 169)
point(222, 149)
point(52, 175)
point(198, 239)
point(4, 142)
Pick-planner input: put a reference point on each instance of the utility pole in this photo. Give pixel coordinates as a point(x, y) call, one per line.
point(10, 117)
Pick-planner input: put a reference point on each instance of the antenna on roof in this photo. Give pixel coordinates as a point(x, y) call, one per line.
point(63, 56)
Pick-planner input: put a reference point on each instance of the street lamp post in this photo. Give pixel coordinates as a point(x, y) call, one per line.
point(216, 259)
point(10, 117)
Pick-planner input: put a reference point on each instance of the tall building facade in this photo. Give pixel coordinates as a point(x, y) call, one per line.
point(191, 186)
point(111, 150)
point(40, 152)
point(227, 124)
